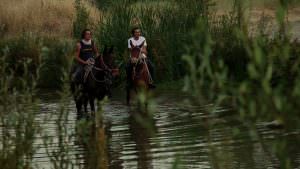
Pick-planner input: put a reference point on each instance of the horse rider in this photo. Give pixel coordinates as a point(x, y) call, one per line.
point(137, 40)
point(85, 49)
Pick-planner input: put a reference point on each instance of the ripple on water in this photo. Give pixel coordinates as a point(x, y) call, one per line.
point(199, 139)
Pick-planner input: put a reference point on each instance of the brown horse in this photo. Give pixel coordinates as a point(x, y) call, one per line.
point(140, 72)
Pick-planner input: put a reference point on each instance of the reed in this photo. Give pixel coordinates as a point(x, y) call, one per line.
point(164, 24)
point(257, 75)
point(32, 57)
point(51, 18)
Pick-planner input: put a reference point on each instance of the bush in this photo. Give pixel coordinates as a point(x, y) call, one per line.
point(31, 57)
point(258, 76)
point(55, 62)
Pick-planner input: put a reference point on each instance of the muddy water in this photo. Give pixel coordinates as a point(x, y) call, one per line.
point(177, 134)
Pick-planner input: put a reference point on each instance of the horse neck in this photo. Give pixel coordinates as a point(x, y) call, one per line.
point(141, 74)
point(108, 60)
point(97, 64)
point(135, 53)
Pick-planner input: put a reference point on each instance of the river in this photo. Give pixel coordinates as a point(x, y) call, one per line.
point(176, 134)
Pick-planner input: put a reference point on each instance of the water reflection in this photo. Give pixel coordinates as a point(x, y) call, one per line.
point(123, 138)
point(142, 128)
point(92, 137)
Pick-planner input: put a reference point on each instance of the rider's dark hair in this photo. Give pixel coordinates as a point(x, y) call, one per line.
point(134, 29)
point(83, 33)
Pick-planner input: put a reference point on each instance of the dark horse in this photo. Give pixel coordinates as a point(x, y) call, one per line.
point(97, 84)
point(140, 72)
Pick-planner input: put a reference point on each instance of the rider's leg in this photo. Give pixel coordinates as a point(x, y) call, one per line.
point(92, 105)
point(77, 76)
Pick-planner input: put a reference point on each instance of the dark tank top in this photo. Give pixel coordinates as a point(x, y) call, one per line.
point(86, 51)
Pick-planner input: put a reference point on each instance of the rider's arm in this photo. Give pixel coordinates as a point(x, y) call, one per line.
point(78, 46)
point(144, 48)
point(129, 46)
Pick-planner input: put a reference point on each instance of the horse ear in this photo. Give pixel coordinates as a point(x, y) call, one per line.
point(131, 44)
point(111, 49)
point(142, 44)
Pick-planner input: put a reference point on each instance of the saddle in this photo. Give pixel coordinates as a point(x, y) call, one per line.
point(88, 68)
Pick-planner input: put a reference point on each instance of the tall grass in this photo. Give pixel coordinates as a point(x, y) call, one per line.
point(32, 57)
point(23, 130)
point(258, 76)
point(17, 119)
point(164, 24)
point(43, 17)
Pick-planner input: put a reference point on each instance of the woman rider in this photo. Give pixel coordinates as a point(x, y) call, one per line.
point(137, 40)
point(85, 49)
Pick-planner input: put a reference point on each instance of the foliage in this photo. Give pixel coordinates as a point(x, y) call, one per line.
point(55, 60)
point(18, 129)
point(30, 57)
point(164, 24)
point(258, 76)
point(81, 21)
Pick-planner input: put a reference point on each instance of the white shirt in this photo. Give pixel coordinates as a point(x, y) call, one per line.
point(137, 42)
point(89, 42)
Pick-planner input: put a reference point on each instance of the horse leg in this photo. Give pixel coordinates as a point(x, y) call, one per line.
point(128, 96)
point(85, 107)
point(79, 109)
point(92, 105)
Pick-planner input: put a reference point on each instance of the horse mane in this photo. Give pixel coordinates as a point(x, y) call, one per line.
point(135, 50)
point(108, 57)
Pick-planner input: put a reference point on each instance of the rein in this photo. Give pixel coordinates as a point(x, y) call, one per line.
point(89, 71)
point(142, 61)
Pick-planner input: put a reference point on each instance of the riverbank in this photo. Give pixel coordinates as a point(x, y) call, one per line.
point(38, 40)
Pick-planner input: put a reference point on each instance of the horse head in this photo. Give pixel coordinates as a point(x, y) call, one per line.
point(136, 50)
point(108, 56)
point(109, 59)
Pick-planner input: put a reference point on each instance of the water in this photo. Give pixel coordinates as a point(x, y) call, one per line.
point(177, 133)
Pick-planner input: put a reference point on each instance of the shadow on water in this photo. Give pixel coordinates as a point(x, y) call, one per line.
point(142, 128)
point(91, 135)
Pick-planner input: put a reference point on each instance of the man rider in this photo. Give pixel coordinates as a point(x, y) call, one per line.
point(85, 49)
point(137, 40)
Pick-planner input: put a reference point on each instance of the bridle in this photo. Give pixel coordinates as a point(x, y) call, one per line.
point(141, 61)
point(94, 78)
point(89, 70)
